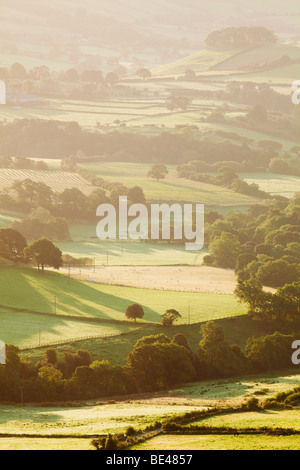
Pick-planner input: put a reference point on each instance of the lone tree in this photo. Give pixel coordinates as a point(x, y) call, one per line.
point(158, 172)
point(144, 73)
point(169, 317)
point(44, 253)
point(134, 311)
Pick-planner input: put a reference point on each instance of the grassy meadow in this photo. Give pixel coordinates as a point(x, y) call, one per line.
point(102, 418)
point(60, 297)
point(190, 191)
point(219, 442)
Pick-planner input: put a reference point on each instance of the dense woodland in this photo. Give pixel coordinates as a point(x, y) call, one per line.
point(262, 243)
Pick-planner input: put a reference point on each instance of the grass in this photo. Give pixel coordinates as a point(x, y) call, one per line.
point(283, 185)
point(274, 419)
point(216, 442)
point(124, 253)
point(38, 329)
point(31, 290)
point(87, 420)
point(133, 174)
point(198, 62)
point(35, 443)
point(234, 391)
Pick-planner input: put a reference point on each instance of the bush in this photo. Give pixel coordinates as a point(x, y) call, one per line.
point(253, 404)
point(293, 399)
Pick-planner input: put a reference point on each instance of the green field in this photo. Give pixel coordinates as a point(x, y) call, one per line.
point(283, 185)
point(133, 174)
point(86, 420)
point(220, 442)
point(35, 443)
point(125, 252)
point(38, 329)
point(31, 290)
point(274, 419)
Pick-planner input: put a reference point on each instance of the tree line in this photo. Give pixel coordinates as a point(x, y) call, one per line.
point(52, 138)
point(156, 362)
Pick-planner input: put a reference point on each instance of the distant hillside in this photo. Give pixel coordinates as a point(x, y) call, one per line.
point(243, 59)
point(56, 29)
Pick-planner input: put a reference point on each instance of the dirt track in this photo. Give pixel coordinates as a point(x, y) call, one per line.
point(202, 279)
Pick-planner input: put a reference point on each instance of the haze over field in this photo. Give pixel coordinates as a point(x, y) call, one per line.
point(133, 30)
point(119, 342)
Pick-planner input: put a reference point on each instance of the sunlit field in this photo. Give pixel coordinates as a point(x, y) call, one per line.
point(55, 295)
point(86, 420)
point(169, 189)
point(220, 442)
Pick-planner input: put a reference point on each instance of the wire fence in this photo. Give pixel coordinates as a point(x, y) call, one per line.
point(80, 338)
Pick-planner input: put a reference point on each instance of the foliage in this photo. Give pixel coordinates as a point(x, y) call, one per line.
point(44, 253)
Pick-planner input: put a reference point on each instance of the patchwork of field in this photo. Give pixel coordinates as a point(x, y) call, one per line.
point(58, 181)
point(77, 424)
point(146, 114)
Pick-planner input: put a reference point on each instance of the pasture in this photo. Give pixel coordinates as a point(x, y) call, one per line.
point(102, 418)
point(57, 295)
point(125, 252)
point(275, 184)
point(219, 442)
point(275, 419)
point(133, 174)
point(48, 443)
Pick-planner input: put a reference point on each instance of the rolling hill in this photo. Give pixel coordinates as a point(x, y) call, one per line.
point(243, 60)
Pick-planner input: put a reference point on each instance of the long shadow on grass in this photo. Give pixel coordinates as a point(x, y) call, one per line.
point(73, 297)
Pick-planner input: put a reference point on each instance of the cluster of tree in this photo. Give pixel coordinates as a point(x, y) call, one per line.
point(48, 209)
point(178, 102)
point(261, 243)
point(283, 305)
point(277, 124)
point(250, 93)
point(52, 138)
point(155, 363)
point(70, 261)
point(226, 177)
point(42, 252)
point(42, 81)
point(23, 163)
point(244, 36)
point(40, 223)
